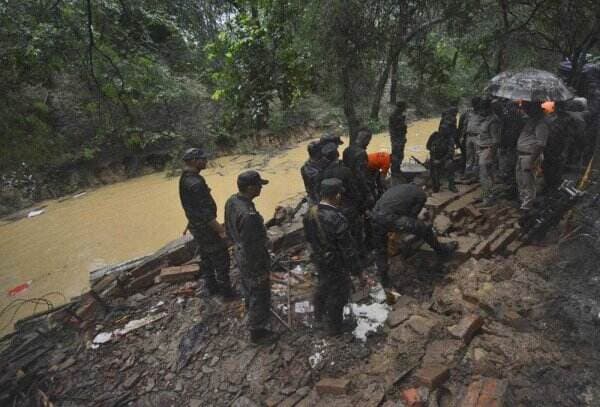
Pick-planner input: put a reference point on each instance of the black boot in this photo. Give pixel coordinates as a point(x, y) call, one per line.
point(446, 249)
point(451, 185)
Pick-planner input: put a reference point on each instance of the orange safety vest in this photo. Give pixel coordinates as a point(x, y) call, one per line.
point(381, 161)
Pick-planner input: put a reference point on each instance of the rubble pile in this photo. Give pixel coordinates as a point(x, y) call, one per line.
point(503, 324)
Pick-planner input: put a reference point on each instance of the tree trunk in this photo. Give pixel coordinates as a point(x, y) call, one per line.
point(379, 89)
point(349, 110)
point(502, 62)
point(391, 64)
point(394, 83)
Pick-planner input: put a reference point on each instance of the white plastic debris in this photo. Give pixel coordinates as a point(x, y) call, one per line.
point(368, 318)
point(138, 323)
point(303, 307)
point(102, 337)
point(180, 300)
point(35, 213)
point(315, 359)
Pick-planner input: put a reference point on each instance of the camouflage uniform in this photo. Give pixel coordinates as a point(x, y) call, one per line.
point(530, 145)
point(397, 211)
point(245, 226)
point(335, 255)
point(200, 209)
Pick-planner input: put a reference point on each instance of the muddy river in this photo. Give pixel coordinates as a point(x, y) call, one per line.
point(55, 251)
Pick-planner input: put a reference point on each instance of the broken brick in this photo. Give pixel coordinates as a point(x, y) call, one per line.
point(415, 397)
point(473, 212)
point(142, 282)
point(179, 274)
point(513, 247)
point(442, 223)
point(504, 240)
point(486, 392)
point(466, 328)
point(398, 316)
point(333, 386)
point(432, 376)
point(482, 248)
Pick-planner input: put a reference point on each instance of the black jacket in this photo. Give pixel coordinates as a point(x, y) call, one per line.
point(351, 197)
point(328, 232)
point(312, 172)
point(245, 226)
point(199, 206)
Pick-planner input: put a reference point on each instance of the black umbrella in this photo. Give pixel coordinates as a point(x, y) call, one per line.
point(528, 84)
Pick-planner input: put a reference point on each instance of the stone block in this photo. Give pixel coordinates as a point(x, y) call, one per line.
point(333, 386)
point(466, 328)
point(473, 212)
point(432, 376)
point(179, 274)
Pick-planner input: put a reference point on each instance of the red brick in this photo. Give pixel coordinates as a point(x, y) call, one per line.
point(432, 376)
point(467, 327)
point(179, 274)
point(487, 392)
point(414, 397)
point(333, 386)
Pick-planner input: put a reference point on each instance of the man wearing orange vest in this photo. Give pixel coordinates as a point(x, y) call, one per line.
point(379, 164)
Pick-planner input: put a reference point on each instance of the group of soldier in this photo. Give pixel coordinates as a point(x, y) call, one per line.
point(352, 208)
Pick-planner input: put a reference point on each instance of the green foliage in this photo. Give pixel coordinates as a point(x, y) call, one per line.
point(253, 61)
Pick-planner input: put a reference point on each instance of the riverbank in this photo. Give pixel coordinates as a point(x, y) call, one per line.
point(57, 249)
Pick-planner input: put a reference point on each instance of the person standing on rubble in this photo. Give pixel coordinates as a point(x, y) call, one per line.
point(530, 147)
point(487, 146)
point(397, 128)
point(441, 151)
point(333, 252)
point(201, 212)
point(468, 129)
point(513, 120)
point(379, 164)
point(397, 211)
point(352, 199)
point(311, 172)
point(245, 226)
point(356, 159)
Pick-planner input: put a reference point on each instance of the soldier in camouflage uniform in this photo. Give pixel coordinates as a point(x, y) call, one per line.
point(530, 147)
point(441, 147)
point(201, 211)
point(245, 226)
point(334, 253)
point(397, 211)
point(311, 172)
point(487, 147)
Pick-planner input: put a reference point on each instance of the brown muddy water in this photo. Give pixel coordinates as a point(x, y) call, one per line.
point(56, 250)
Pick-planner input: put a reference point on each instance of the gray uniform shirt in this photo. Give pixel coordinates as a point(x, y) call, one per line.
point(533, 137)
